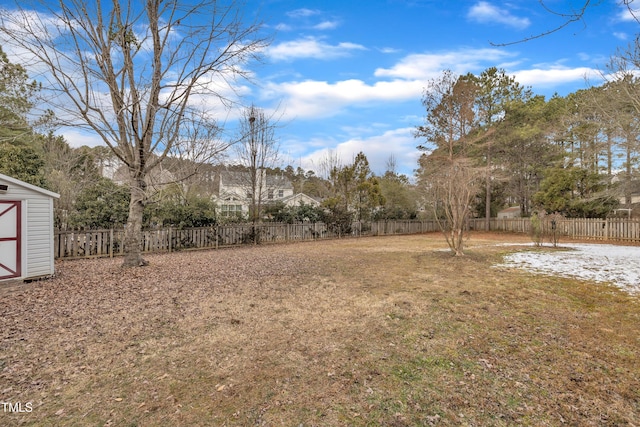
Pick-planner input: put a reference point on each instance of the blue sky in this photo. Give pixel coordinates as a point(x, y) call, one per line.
point(348, 76)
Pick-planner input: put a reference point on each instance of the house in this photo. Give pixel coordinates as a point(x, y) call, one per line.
point(633, 189)
point(234, 191)
point(26, 230)
point(298, 199)
point(156, 179)
point(626, 192)
point(511, 212)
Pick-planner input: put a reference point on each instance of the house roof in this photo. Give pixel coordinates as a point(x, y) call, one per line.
point(242, 178)
point(301, 197)
point(230, 196)
point(31, 187)
point(510, 209)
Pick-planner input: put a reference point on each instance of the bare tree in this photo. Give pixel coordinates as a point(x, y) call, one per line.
point(329, 162)
point(450, 184)
point(447, 175)
point(257, 150)
point(134, 73)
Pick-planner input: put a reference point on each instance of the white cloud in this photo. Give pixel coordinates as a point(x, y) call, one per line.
point(486, 13)
point(429, 65)
point(313, 99)
point(283, 27)
point(326, 25)
point(397, 142)
point(538, 77)
point(303, 13)
point(311, 47)
point(628, 13)
point(77, 138)
point(620, 35)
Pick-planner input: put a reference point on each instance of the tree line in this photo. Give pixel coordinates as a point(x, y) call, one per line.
point(90, 199)
point(489, 143)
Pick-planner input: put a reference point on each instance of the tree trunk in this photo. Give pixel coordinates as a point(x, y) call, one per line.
point(487, 206)
point(487, 200)
point(458, 242)
point(133, 230)
point(629, 176)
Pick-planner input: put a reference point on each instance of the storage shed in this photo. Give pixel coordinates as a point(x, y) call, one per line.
point(26, 230)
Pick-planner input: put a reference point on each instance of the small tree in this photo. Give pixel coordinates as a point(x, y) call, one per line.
point(554, 224)
point(368, 195)
point(545, 226)
point(450, 186)
point(447, 175)
point(257, 151)
point(537, 232)
point(354, 190)
point(70, 171)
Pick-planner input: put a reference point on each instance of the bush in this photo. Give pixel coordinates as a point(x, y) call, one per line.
point(104, 204)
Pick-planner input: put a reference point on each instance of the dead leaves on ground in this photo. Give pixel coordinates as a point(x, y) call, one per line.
point(330, 333)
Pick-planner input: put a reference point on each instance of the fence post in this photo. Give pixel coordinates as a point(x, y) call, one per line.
point(111, 243)
point(169, 244)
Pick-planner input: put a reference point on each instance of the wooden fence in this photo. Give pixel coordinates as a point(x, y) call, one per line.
point(616, 229)
point(108, 243)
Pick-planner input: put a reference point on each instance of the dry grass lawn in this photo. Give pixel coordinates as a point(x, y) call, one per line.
point(358, 332)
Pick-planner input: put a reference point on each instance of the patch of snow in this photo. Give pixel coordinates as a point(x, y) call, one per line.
point(618, 265)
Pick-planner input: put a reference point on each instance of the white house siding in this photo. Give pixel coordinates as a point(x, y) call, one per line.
point(37, 226)
point(234, 191)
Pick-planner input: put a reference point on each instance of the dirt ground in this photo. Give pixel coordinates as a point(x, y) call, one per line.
point(364, 332)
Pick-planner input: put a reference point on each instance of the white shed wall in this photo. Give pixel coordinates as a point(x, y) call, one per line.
point(37, 227)
point(39, 237)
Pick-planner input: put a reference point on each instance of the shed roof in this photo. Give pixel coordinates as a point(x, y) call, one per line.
point(31, 187)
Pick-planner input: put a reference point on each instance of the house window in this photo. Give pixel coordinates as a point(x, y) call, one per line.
point(231, 210)
point(270, 194)
point(281, 193)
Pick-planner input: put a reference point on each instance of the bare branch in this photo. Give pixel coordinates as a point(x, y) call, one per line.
point(570, 17)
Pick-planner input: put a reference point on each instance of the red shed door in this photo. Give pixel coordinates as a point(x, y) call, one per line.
point(10, 239)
